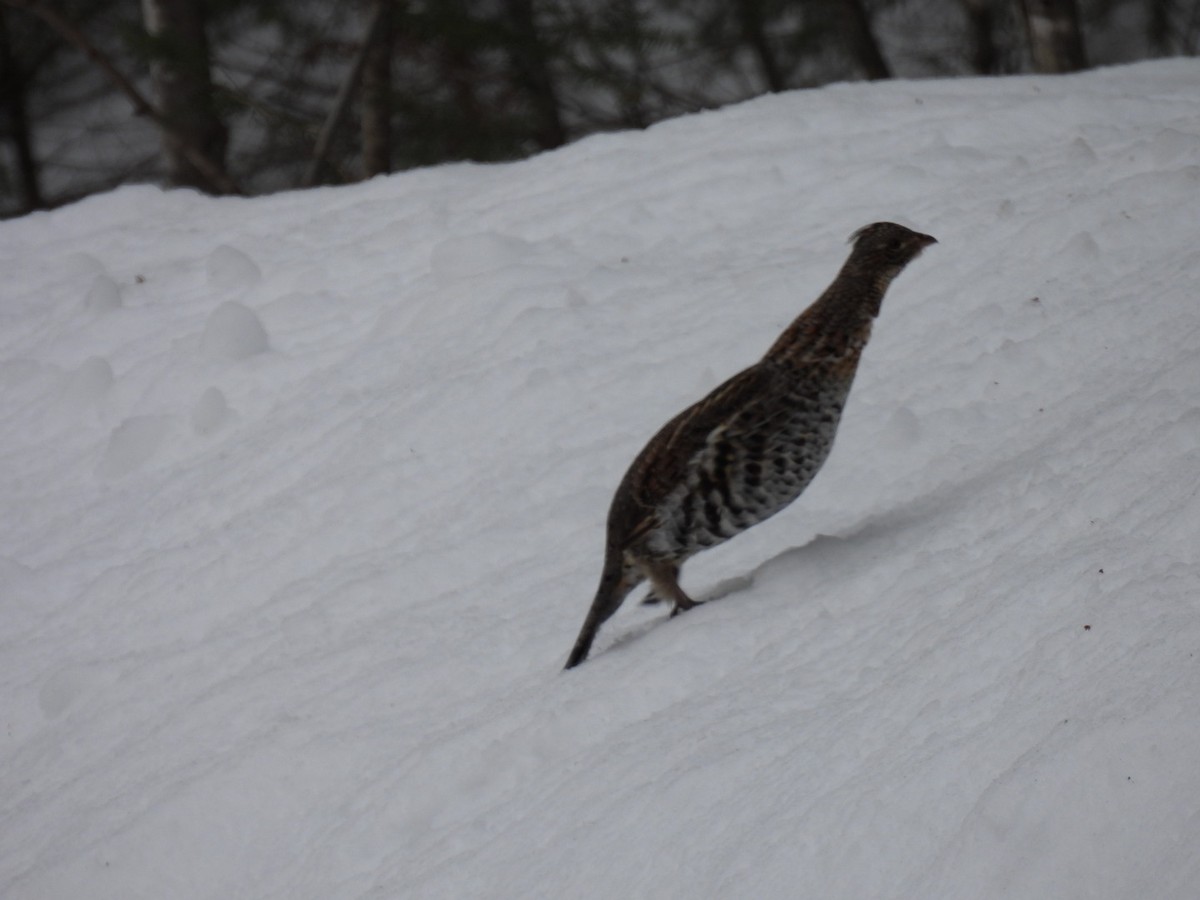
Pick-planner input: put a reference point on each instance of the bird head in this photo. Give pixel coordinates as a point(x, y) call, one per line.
point(881, 251)
point(888, 246)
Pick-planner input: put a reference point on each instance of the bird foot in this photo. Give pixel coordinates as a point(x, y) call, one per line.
point(681, 606)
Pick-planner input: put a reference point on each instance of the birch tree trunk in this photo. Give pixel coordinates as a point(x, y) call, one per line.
point(1055, 41)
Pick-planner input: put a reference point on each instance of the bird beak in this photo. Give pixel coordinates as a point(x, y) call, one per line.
point(926, 239)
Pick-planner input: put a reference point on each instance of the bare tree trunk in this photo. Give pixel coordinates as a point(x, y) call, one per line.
point(1159, 27)
point(461, 71)
point(981, 24)
point(1189, 41)
point(181, 73)
point(13, 96)
point(532, 71)
point(626, 79)
point(633, 93)
point(1054, 37)
point(754, 31)
point(377, 96)
point(863, 46)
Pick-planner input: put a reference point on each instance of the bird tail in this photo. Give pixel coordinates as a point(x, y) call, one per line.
point(615, 584)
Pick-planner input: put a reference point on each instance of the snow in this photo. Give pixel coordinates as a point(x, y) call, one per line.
point(303, 502)
point(233, 331)
point(104, 295)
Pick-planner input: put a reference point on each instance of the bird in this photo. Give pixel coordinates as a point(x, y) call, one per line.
point(752, 445)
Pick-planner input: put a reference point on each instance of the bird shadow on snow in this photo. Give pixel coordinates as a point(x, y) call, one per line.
point(825, 548)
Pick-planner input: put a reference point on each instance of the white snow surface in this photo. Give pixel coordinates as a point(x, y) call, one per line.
point(302, 504)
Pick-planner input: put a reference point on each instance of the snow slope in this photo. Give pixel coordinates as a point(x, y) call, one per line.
point(303, 499)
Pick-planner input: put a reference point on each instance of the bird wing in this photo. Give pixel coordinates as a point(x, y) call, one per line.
point(741, 403)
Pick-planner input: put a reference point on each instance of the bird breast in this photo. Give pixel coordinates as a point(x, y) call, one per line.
point(750, 468)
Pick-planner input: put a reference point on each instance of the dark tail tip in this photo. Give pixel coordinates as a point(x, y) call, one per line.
point(578, 655)
point(580, 651)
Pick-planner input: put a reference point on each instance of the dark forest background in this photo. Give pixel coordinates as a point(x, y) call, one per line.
point(250, 96)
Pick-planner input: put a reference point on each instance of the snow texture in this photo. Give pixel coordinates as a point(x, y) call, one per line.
point(284, 617)
point(233, 332)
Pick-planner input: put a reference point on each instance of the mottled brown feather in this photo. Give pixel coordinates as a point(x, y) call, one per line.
point(751, 446)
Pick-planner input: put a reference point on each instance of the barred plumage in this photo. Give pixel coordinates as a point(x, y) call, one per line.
point(753, 444)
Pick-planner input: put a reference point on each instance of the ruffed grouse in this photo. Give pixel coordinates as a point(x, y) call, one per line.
point(751, 446)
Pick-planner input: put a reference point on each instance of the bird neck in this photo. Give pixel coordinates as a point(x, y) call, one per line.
point(838, 323)
point(857, 293)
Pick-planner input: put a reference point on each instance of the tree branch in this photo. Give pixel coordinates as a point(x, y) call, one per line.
point(141, 106)
point(325, 138)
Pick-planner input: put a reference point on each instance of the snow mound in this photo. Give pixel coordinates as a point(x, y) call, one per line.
point(88, 383)
point(228, 269)
point(476, 254)
point(132, 444)
point(103, 296)
point(233, 331)
point(210, 412)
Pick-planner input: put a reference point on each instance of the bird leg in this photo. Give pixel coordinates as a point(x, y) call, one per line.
point(664, 578)
point(652, 598)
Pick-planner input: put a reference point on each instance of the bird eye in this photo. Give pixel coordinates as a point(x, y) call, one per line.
point(894, 244)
